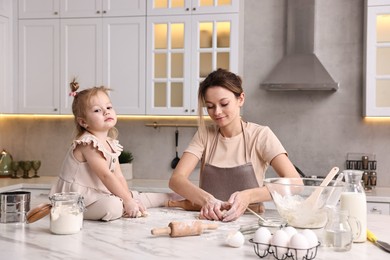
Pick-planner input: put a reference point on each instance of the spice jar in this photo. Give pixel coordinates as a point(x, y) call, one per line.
point(66, 214)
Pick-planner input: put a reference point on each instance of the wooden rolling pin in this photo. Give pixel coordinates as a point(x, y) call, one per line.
point(182, 229)
point(188, 205)
point(184, 204)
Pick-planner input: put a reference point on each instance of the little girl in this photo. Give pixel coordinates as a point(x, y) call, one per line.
point(91, 165)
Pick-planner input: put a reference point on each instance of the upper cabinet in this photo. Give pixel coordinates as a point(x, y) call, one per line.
point(180, 7)
point(377, 58)
point(184, 48)
point(80, 9)
point(107, 51)
point(6, 92)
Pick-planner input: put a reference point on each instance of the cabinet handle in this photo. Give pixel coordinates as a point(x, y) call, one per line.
point(192, 110)
point(186, 110)
point(376, 211)
point(187, 9)
point(98, 12)
point(194, 9)
point(55, 13)
point(104, 12)
point(55, 109)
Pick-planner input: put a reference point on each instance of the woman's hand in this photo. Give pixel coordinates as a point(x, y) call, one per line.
point(213, 209)
point(239, 201)
point(132, 208)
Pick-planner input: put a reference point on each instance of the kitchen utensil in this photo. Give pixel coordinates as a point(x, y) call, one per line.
point(353, 200)
point(184, 204)
point(38, 212)
point(289, 196)
point(176, 160)
point(338, 233)
point(5, 164)
point(311, 201)
point(371, 237)
point(181, 229)
point(13, 206)
point(268, 222)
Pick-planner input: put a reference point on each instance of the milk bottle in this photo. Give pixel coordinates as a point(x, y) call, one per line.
point(353, 200)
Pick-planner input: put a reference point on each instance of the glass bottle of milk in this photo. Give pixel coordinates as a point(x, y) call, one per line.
point(353, 200)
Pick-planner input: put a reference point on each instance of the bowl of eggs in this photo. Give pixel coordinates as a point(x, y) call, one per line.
point(285, 242)
point(303, 202)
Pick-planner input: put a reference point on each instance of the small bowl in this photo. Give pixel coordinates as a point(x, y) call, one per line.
point(290, 194)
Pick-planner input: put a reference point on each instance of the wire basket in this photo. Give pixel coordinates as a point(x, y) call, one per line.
point(281, 252)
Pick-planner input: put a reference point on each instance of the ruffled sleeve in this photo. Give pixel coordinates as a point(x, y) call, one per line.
point(88, 139)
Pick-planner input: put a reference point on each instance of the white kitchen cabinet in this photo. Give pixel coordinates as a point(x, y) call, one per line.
point(6, 8)
point(377, 59)
point(378, 208)
point(181, 52)
point(39, 61)
point(97, 51)
point(6, 91)
point(182, 7)
point(109, 52)
point(80, 9)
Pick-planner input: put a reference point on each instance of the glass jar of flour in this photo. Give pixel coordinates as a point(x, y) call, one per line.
point(66, 214)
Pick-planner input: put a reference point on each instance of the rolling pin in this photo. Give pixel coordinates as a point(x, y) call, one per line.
point(184, 204)
point(188, 205)
point(182, 229)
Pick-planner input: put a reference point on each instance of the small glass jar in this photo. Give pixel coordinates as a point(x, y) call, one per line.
point(66, 214)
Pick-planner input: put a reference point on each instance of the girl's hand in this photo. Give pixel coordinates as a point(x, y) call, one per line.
point(213, 209)
point(239, 202)
point(132, 207)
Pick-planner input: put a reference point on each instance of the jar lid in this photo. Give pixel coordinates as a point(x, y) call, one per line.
point(38, 212)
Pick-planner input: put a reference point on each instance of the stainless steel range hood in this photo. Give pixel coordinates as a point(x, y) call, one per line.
point(300, 68)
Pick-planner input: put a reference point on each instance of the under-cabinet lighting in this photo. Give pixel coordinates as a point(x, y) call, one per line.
point(373, 119)
point(126, 117)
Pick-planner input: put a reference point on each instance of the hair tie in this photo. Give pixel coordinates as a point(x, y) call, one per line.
point(74, 86)
point(73, 93)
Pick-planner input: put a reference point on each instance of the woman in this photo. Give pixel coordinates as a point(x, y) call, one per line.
point(234, 154)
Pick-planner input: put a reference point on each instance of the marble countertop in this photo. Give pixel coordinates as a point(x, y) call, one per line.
point(132, 239)
point(378, 194)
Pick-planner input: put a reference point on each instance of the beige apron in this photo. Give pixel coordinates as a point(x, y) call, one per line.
point(223, 182)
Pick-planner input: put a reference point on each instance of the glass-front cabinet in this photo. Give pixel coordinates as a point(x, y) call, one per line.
point(377, 57)
point(169, 7)
point(183, 50)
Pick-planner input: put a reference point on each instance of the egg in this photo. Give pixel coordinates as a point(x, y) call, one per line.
point(290, 231)
point(280, 242)
point(299, 246)
point(235, 239)
point(262, 236)
point(311, 237)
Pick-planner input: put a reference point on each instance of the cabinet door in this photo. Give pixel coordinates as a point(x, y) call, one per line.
point(214, 6)
point(39, 8)
point(168, 7)
point(169, 65)
point(83, 8)
point(124, 8)
point(39, 66)
point(124, 63)
point(6, 8)
point(377, 78)
point(5, 65)
point(81, 56)
point(182, 7)
point(214, 45)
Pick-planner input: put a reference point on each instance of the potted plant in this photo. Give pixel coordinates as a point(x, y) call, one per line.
point(125, 160)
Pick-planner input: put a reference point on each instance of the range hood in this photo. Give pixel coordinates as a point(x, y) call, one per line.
point(300, 68)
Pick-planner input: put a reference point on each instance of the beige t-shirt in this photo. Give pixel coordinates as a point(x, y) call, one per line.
point(261, 143)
